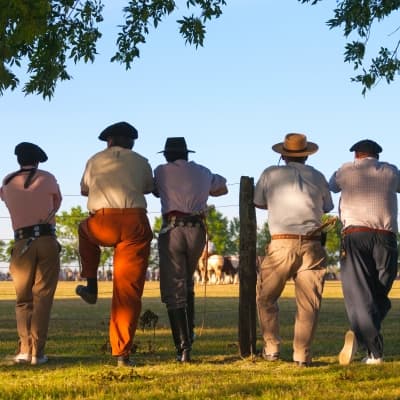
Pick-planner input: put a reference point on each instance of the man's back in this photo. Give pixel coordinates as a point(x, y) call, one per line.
point(117, 178)
point(185, 186)
point(368, 193)
point(296, 196)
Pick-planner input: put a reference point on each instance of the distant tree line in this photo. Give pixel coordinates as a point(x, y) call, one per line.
point(223, 232)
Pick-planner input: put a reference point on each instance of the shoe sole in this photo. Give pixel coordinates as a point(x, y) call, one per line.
point(349, 348)
point(21, 361)
point(39, 361)
point(87, 297)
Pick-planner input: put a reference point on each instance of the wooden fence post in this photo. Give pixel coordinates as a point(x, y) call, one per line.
point(247, 268)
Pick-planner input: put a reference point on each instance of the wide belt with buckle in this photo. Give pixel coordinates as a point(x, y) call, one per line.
point(172, 220)
point(35, 231)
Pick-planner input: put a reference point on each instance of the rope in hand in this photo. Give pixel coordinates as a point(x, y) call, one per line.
point(330, 221)
point(205, 266)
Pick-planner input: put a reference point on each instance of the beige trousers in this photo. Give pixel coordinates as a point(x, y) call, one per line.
point(35, 277)
point(304, 262)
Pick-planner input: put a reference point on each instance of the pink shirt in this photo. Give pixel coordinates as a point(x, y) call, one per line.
point(35, 204)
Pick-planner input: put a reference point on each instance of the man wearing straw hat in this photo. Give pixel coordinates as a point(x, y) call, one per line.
point(183, 187)
point(296, 196)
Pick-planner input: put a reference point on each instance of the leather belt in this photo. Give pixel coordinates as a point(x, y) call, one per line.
point(34, 231)
point(189, 220)
point(293, 236)
point(354, 229)
point(171, 214)
point(104, 211)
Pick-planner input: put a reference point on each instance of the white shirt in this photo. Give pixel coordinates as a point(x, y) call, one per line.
point(296, 196)
point(117, 178)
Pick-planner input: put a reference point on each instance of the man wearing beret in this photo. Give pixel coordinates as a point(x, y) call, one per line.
point(32, 197)
point(368, 265)
point(115, 181)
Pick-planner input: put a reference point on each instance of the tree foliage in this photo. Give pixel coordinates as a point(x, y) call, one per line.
point(263, 238)
point(45, 34)
point(67, 234)
point(42, 35)
point(358, 17)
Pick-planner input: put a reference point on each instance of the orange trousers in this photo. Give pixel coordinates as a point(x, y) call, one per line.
point(128, 231)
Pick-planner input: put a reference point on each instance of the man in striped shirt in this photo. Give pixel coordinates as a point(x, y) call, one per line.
point(368, 265)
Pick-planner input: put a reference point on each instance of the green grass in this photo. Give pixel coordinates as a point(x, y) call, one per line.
point(81, 367)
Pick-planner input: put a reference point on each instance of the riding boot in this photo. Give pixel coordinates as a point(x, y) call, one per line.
point(190, 314)
point(180, 333)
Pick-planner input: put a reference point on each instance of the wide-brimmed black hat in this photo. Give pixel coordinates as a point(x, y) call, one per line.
point(176, 145)
point(119, 129)
point(366, 146)
point(29, 153)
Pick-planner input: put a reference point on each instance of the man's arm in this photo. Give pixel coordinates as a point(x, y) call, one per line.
point(219, 192)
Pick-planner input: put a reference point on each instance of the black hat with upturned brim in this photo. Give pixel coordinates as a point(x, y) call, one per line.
point(366, 146)
point(119, 129)
point(30, 152)
point(176, 145)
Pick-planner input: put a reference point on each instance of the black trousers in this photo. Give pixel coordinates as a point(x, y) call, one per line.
point(368, 269)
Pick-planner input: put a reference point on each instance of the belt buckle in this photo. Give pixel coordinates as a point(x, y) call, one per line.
point(36, 231)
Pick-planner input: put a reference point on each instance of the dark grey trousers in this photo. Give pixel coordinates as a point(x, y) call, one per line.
point(368, 269)
point(179, 250)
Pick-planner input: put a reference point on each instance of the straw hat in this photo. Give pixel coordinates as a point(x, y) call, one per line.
point(295, 145)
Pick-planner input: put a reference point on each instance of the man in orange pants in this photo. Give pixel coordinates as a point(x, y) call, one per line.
point(115, 181)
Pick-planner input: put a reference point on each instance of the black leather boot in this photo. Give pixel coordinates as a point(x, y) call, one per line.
point(190, 315)
point(180, 333)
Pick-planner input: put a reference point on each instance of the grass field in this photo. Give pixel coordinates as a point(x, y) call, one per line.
point(81, 367)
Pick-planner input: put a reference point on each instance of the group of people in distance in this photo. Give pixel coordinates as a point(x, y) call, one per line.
point(296, 196)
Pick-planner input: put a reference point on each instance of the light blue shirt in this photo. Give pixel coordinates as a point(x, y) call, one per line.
point(185, 186)
point(296, 196)
point(369, 190)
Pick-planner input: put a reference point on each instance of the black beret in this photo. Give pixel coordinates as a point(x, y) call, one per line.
point(366, 146)
point(119, 129)
point(30, 152)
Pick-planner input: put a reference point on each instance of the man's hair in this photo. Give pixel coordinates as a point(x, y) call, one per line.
point(27, 159)
point(172, 156)
point(121, 141)
point(300, 160)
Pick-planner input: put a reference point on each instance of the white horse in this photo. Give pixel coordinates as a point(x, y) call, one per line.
point(220, 269)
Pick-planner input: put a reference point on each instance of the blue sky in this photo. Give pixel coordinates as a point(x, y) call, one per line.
point(267, 68)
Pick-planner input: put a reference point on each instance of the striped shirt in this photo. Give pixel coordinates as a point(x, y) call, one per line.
point(369, 190)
